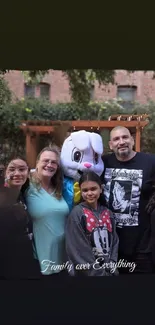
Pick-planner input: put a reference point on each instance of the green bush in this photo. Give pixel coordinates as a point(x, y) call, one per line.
point(12, 138)
point(5, 93)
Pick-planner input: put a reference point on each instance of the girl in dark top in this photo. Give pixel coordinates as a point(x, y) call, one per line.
point(16, 246)
point(91, 239)
point(16, 176)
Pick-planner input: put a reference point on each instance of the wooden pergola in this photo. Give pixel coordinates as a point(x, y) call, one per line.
point(33, 129)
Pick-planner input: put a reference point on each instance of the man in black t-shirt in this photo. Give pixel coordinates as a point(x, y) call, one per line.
point(127, 188)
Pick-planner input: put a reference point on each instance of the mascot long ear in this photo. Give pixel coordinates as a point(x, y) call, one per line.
point(96, 142)
point(60, 133)
point(81, 139)
point(8, 196)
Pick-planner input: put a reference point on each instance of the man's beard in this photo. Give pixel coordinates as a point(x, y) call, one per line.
point(123, 154)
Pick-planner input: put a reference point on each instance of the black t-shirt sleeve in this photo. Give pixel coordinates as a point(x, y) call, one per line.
point(105, 161)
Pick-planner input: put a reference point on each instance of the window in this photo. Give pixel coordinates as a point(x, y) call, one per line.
point(44, 90)
point(29, 91)
point(127, 94)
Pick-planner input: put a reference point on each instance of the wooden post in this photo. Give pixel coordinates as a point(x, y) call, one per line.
point(31, 149)
point(138, 134)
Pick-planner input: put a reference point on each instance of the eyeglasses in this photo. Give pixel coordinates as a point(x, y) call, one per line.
point(49, 161)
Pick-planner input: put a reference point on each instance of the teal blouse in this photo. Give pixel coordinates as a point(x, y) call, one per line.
point(49, 219)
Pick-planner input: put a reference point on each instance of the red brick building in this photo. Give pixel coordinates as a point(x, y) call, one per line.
point(138, 86)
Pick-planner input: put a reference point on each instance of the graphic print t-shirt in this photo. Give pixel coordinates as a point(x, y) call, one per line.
point(98, 228)
point(126, 191)
point(122, 191)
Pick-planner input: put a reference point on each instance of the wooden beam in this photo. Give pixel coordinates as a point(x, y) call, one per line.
point(31, 149)
point(138, 135)
point(82, 124)
point(138, 117)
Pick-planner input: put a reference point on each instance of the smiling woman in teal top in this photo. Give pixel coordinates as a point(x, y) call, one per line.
point(48, 211)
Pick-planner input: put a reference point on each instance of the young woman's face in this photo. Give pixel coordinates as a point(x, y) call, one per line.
point(90, 192)
point(17, 172)
point(48, 164)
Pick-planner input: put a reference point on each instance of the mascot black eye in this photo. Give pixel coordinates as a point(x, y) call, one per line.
point(77, 155)
point(96, 158)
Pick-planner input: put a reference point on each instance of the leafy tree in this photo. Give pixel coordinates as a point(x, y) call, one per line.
point(12, 139)
point(81, 81)
point(5, 93)
point(34, 76)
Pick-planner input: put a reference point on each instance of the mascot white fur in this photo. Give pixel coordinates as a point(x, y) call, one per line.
point(81, 151)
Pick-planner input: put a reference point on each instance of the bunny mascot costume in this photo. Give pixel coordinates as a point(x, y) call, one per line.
point(81, 151)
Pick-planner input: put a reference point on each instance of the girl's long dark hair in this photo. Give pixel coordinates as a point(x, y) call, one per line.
point(93, 177)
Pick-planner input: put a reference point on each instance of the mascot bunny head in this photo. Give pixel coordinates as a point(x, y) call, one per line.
point(81, 151)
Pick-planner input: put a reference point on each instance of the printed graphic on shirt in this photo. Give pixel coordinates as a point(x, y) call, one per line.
point(99, 229)
point(101, 241)
point(122, 189)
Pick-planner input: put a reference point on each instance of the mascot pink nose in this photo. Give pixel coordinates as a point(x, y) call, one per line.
point(88, 165)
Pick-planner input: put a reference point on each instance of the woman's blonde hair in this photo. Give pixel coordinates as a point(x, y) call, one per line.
point(56, 180)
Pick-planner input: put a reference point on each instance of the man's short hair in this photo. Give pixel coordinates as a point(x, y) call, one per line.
point(117, 128)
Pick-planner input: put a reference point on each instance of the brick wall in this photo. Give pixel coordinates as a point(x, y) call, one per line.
point(59, 88)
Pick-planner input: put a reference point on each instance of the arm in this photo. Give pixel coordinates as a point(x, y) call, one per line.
point(79, 249)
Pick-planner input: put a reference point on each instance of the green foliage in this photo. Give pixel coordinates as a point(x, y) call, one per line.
point(2, 72)
point(34, 76)
point(80, 81)
point(148, 134)
point(12, 139)
point(5, 93)
point(42, 109)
